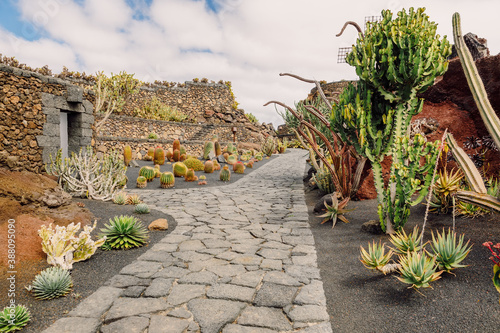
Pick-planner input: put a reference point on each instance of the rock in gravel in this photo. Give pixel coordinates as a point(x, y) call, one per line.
point(159, 224)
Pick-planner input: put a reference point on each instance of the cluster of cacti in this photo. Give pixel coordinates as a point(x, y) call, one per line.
point(239, 167)
point(51, 283)
point(208, 149)
point(190, 176)
point(250, 163)
point(150, 155)
point(141, 208)
point(127, 155)
point(147, 172)
point(258, 157)
point(225, 174)
point(230, 149)
point(120, 198)
point(167, 180)
point(194, 163)
point(179, 169)
point(124, 232)
point(159, 156)
point(14, 318)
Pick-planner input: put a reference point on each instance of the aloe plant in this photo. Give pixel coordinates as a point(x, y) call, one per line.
point(404, 243)
point(336, 210)
point(375, 257)
point(448, 251)
point(418, 270)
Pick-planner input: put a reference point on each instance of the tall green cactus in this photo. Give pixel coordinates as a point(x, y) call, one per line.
point(395, 60)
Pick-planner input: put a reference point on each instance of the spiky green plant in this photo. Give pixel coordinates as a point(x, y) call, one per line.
point(448, 251)
point(375, 257)
point(179, 169)
point(51, 283)
point(194, 163)
point(268, 146)
point(120, 198)
point(134, 199)
point(323, 179)
point(418, 269)
point(141, 182)
point(147, 172)
point(404, 243)
point(125, 232)
point(167, 180)
point(14, 319)
point(141, 208)
point(336, 210)
point(225, 174)
point(447, 184)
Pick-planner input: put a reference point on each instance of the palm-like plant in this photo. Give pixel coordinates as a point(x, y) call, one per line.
point(336, 210)
point(124, 232)
point(449, 253)
point(418, 270)
point(21, 318)
point(404, 243)
point(375, 257)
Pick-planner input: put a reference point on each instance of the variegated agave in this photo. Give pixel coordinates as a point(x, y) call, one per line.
point(375, 257)
point(418, 270)
point(449, 253)
point(404, 243)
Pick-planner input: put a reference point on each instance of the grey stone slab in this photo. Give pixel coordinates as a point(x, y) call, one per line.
point(204, 277)
point(228, 255)
point(74, 325)
point(276, 245)
point(203, 237)
point(180, 313)
point(281, 278)
point(163, 324)
point(96, 304)
point(227, 270)
point(325, 327)
point(274, 253)
point(247, 260)
point(213, 314)
point(297, 240)
point(191, 245)
point(264, 317)
point(231, 292)
point(301, 232)
point(213, 252)
point(159, 287)
point(175, 239)
point(307, 260)
point(132, 324)
point(197, 266)
point(133, 291)
point(123, 281)
point(189, 256)
point(216, 243)
point(158, 256)
point(233, 328)
point(171, 272)
point(272, 264)
point(312, 293)
point(128, 307)
point(141, 269)
point(249, 279)
point(308, 313)
point(296, 225)
point(167, 247)
point(302, 249)
point(245, 248)
point(275, 295)
point(303, 273)
point(182, 293)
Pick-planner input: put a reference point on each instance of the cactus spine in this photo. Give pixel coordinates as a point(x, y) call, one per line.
point(159, 156)
point(207, 149)
point(147, 172)
point(209, 167)
point(225, 174)
point(127, 155)
point(167, 180)
point(238, 167)
point(142, 182)
point(179, 169)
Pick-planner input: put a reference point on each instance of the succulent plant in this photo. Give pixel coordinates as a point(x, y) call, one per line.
point(225, 174)
point(194, 163)
point(176, 156)
point(216, 165)
point(147, 158)
point(169, 154)
point(202, 177)
point(404, 243)
point(51, 283)
point(123, 182)
point(250, 163)
point(179, 169)
point(336, 210)
point(207, 149)
point(147, 172)
point(375, 257)
point(418, 269)
point(190, 176)
point(125, 232)
point(268, 146)
point(176, 145)
point(225, 155)
point(447, 184)
point(231, 159)
point(182, 149)
point(134, 199)
point(167, 180)
point(238, 167)
point(202, 182)
point(157, 172)
point(151, 152)
point(10, 322)
point(127, 155)
point(141, 208)
point(120, 198)
point(449, 253)
point(208, 167)
point(217, 148)
point(258, 157)
point(159, 156)
point(142, 182)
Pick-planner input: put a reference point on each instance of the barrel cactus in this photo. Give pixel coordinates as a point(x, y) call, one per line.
point(179, 169)
point(225, 174)
point(232, 159)
point(157, 171)
point(250, 163)
point(216, 165)
point(167, 180)
point(176, 155)
point(209, 167)
point(190, 176)
point(151, 153)
point(208, 149)
point(238, 167)
point(147, 172)
point(176, 145)
point(194, 163)
point(51, 283)
point(159, 156)
point(169, 154)
point(127, 155)
point(142, 182)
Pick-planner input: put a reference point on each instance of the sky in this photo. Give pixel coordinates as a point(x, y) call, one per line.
point(247, 42)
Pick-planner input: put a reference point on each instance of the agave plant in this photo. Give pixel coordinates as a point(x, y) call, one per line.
point(141, 208)
point(375, 257)
point(418, 270)
point(14, 319)
point(51, 283)
point(336, 210)
point(134, 199)
point(124, 232)
point(120, 198)
point(449, 253)
point(447, 184)
point(404, 243)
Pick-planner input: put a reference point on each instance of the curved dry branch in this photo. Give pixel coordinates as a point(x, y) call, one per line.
point(354, 24)
point(318, 86)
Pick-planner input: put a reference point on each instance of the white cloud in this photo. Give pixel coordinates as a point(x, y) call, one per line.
point(250, 41)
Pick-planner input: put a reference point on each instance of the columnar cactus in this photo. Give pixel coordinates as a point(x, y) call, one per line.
point(127, 155)
point(190, 176)
point(238, 167)
point(169, 154)
point(207, 149)
point(225, 174)
point(209, 166)
point(217, 148)
point(142, 182)
point(176, 145)
point(147, 172)
point(167, 180)
point(179, 169)
point(159, 156)
point(176, 156)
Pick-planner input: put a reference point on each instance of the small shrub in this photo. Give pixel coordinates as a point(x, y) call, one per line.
point(153, 135)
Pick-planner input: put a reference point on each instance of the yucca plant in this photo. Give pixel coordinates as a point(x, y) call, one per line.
point(51, 283)
point(141, 208)
point(336, 210)
point(124, 232)
point(375, 257)
point(404, 243)
point(134, 199)
point(418, 270)
point(14, 319)
point(120, 198)
point(448, 251)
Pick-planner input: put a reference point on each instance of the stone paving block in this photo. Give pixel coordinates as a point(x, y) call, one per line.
point(182, 293)
point(303, 273)
point(249, 279)
point(308, 313)
point(171, 272)
point(159, 256)
point(216, 243)
point(133, 291)
point(325, 327)
point(275, 295)
point(213, 314)
point(203, 237)
point(228, 255)
point(162, 324)
point(281, 278)
point(132, 324)
point(248, 259)
point(296, 240)
point(264, 317)
point(276, 245)
point(141, 269)
point(166, 247)
point(312, 293)
point(189, 256)
point(245, 248)
point(128, 307)
point(303, 250)
point(231, 292)
point(273, 237)
point(204, 277)
point(74, 325)
point(307, 260)
point(175, 239)
point(96, 304)
point(196, 266)
point(227, 270)
point(123, 281)
point(159, 287)
point(180, 313)
point(213, 252)
point(274, 253)
point(272, 264)
point(191, 245)
point(233, 328)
